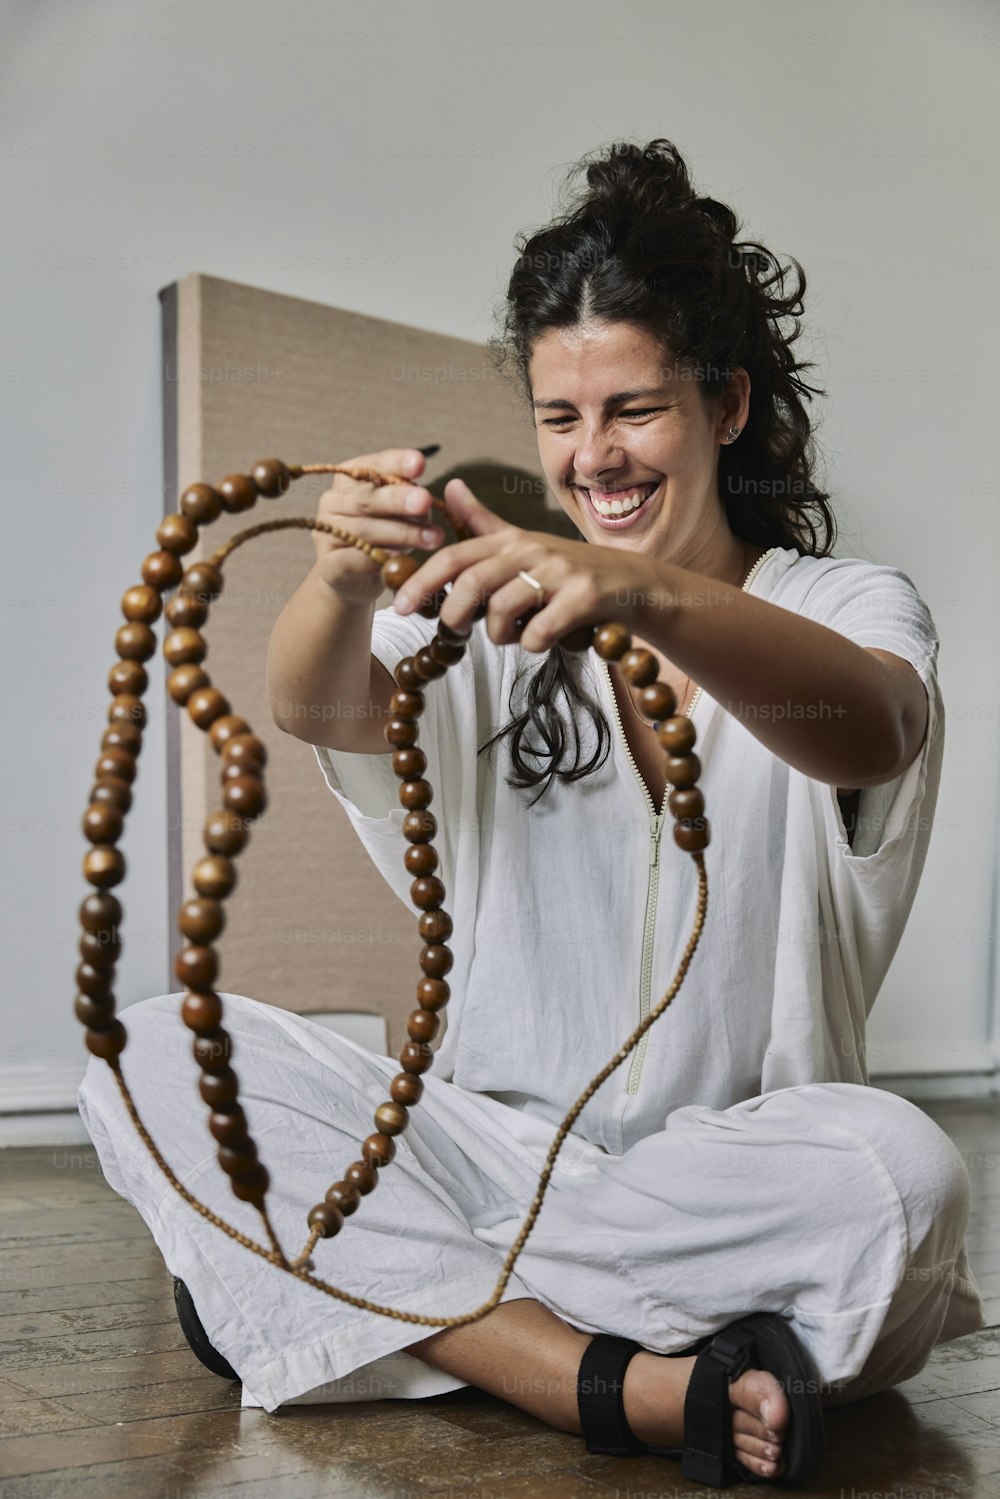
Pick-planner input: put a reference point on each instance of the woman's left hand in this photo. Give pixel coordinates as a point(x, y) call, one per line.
point(584, 584)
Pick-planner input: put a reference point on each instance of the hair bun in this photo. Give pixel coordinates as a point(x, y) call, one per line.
point(638, 181)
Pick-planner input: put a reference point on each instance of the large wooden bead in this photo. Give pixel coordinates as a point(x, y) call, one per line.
point(213, 1052)
point(420, 859)
point(446, 652)
point(426, 666)
point(677, 735)
point(245, 796)
point(253, 1186)
point(219, 1090)
point(450, 636)
point(238, 1160)
point(422, 1025)
point(104, 866)
point(407, 676)
point(406, 1088)
point(184, 646)
point(128, 676)
point(611, 641)
point(362, 1176)
point(271, 477)
point(197, 967)
point(117, 765)
point(378, 1149)
point(229, 1129)
point(327, 1218)
point(201, 920)
point(579, 639)
point(436, 960)
point(419, 827)
point(103, 824)
point(177, 533)
point(433, 994)
point(416, 1056)
point(226, 728)
point(100, 913)
point(244, 749)
point(184, 609)
point(142, 604)
point(214, 876)
point(238, 492)
point(204, 580)
point(345, 1196)
point(658, 700)
point(639, 667)
point(391, 1118)
point(687, 802)
point(395, 572)
point(401, 732)
point(107, 1044)
point(683, 770)
point(224, 832)
point(416, 795)
point(202, 1013)
point(427, 892)
point(185, 680)
point(409, 764)
point(127, 708)
point(406, 704)
point(95, 1014)
point(162, 570)
point(100, 949)
point(692, 835)
point(206, 705)
point(94, 982)
point(123, 735)
point(202, 503)
point(135, 642)
point(432, 606)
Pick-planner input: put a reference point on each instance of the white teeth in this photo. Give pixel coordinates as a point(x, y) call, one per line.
point(623, 506)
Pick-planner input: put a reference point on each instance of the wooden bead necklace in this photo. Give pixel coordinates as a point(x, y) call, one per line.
point(227, 829)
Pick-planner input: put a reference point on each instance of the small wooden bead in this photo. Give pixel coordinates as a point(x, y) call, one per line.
point(214, 876)
point(250, 768)
point(185, 610)
point(446, 652)
point(391, 1118)
point(419, 827)
point(197, 967)
point(122, 735)
point(252, 1187)
point(426, 666)
point(246, 796)
point(107, 1044)
point(125, 707)
point(104, 866)
point(224, 832)
point(142, 604)
point(184, 646)
point(416, 1056)
point(406, 1088)
point(162, 570)
point(102, 824)
point(206, 705)
point(186, 680)
point(397, 570)
point(229, 1129)
point(326, 1217)
point(219, 1090)
point(202, 503)
point(128, 676)
point(433, 994)
point(416, 795)
point(362, 1176)
point(408, 764)
point(406, 675)
point(435, 926)
point(117, 765)
point(677, 735)
point(238, 1160)
point(436, 960)
point(639, 667)
point(401, 732)
point(658, 700)
point(135, 642)
point(177, 533)
point(692, 835)
point(100, 949)
point(683, 770)
point(420, 859)
point(406, 705)
point(688, 802)
point(201, 921)
point(378, 1149)
point(422, 1025)
point(611, 641)
point(450, 636)
point(238, 492)
point(94, 982)
point(201, 1012)
point(244, 749)
point(345, 1196)
point(100, 912)
point(580, 639)
point(226, 728)
point(212, 1052)
point(427, 893)
point(271, 477)
point(431, 607)
point(95, 1014)
point(204, 580)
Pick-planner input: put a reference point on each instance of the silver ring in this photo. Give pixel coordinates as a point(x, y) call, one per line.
point(529, 579)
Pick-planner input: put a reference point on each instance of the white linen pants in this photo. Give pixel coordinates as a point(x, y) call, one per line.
point(842, 1208)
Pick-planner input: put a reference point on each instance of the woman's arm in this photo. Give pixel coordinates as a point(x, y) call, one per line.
point(841, 713)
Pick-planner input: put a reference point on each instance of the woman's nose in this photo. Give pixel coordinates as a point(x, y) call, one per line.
point(598, 457)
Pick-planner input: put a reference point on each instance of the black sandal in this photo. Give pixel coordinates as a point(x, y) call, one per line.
point(197, 1336)
point(762, 1340)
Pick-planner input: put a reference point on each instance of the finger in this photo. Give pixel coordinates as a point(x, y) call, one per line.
point(471, 511)
point(445, 566)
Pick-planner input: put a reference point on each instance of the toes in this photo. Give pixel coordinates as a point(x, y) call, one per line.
point(745, 1421)
point(753, 1447)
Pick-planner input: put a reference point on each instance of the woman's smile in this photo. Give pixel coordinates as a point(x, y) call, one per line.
point(617, 509)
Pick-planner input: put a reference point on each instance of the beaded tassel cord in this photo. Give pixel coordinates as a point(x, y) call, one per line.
point(227, 830)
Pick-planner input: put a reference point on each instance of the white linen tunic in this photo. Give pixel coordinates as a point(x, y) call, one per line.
point(737, 1162)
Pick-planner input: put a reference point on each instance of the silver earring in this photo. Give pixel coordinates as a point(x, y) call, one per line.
point(733, 433)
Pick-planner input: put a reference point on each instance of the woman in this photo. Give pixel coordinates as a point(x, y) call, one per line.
point(737, 1165)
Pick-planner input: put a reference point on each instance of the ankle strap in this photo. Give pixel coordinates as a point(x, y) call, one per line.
point(600, 1385)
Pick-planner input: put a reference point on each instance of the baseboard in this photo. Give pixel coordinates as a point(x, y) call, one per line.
point(940, 1087)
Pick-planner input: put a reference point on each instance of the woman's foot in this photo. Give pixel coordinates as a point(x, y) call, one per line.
point(654, 1392)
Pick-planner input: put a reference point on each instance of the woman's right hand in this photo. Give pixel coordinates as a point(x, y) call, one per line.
point(378, 514)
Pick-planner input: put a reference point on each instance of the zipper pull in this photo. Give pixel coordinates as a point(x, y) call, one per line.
point(654, 838)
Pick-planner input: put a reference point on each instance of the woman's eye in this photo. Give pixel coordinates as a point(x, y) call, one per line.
point(557, 421)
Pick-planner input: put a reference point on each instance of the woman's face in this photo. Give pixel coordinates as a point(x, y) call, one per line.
point(613, 421)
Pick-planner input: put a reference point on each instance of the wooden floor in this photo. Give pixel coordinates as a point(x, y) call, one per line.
point(102, 1398)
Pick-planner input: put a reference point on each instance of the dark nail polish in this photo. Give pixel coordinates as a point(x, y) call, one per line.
point(430, 449)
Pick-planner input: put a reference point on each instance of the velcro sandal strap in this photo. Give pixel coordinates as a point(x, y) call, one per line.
point(600, 1385)
point(708, 1413)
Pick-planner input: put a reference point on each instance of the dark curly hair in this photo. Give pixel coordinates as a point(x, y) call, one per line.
point(639, 246)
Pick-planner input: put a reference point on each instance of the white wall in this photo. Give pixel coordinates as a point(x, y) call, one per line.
point(382, 161)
